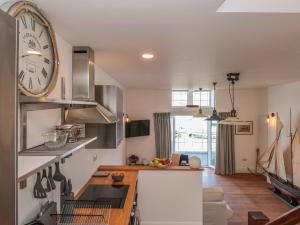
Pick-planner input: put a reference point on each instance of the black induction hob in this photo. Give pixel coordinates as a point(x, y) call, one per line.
point(115, 194)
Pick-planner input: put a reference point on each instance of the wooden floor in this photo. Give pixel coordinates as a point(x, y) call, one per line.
point(245, 192)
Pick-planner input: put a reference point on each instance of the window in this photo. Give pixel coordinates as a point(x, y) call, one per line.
point(205, 98)
point(183, 98)
point(195, 136)
point(179, 98)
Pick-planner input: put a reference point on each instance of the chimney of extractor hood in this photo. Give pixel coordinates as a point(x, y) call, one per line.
point(83, 89)
point(83, 74)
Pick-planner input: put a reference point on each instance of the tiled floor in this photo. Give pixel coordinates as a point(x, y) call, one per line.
point(245, 192)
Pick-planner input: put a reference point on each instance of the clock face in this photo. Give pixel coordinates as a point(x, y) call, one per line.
point(36, 54)
point(38, 58)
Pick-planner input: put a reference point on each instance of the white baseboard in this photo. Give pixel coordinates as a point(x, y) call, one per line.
point(170, 223)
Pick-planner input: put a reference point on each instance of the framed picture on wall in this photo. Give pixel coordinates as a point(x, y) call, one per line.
point(244, 129)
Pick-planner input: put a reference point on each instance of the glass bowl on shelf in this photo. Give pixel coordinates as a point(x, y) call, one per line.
point(55, 139)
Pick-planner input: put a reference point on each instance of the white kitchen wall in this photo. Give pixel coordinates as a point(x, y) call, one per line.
point(280, 99)
point(82, 164)
point(141, 104)
point(251, 105)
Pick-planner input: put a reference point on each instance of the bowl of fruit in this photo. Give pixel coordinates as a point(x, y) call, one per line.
point(117, 177)
point(161, 163)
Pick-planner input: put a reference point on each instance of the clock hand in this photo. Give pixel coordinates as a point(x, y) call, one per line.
point(23, 56)
point(32, 52)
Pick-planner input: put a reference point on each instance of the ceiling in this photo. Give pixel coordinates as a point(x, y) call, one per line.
point(193, 44)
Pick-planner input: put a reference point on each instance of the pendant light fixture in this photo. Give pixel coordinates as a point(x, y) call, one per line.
point(233, 117)
point(214, 116)
point(200, 112)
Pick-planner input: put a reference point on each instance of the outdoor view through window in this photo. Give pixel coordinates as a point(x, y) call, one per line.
point(192, 135)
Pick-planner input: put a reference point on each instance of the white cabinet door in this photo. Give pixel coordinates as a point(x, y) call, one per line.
point(170, 197)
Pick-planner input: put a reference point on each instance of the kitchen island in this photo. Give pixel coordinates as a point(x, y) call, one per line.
point(167, 196)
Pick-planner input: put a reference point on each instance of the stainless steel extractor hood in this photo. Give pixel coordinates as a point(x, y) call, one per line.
point(99, 114)
point(83, 88)
point(109, 136)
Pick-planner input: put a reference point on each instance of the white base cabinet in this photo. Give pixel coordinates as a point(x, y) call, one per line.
point(170, 197)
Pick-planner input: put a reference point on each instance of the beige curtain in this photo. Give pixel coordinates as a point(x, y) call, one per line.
point(162, 129)
point(225, 154)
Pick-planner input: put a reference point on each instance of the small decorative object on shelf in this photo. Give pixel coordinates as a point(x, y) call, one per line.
point(195, 162)
point(145, 162)
point(133, 159)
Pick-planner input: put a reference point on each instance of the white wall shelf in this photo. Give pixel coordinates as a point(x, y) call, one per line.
point(32, 160)
point(43, 100)
point(29, 165)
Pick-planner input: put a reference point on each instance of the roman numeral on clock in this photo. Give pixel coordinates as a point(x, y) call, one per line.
point(44, 72)
point(41, 33)
point(23, 19)
point(21, 76)
point(30, 83)
point(32, 24)
point(39, 81)
point(46, 60)
point(45, 46)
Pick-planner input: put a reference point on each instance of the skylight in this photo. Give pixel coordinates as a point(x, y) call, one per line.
point(260, 6)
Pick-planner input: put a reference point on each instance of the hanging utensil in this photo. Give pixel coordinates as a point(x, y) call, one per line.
point(50, 178)
point(45, 181)
point(70, 188)
point(38, 190)
point(58, 176)
point(64, 187)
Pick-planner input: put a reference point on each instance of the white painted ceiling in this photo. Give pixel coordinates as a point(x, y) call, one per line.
point(193, 44)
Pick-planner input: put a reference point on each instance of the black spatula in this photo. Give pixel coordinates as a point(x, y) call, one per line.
point(45, 181)
point(38, 190)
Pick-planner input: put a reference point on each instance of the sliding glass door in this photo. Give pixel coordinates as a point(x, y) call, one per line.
point(195, 136)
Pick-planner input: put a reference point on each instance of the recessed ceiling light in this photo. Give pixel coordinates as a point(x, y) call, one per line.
point(147, 56)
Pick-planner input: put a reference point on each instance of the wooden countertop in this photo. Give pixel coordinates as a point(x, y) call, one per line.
point(137, 168)
point(118, 216)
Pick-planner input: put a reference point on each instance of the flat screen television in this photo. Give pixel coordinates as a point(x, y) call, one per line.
point(137, 128)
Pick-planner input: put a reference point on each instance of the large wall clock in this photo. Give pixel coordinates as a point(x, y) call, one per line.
point(38, 58)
